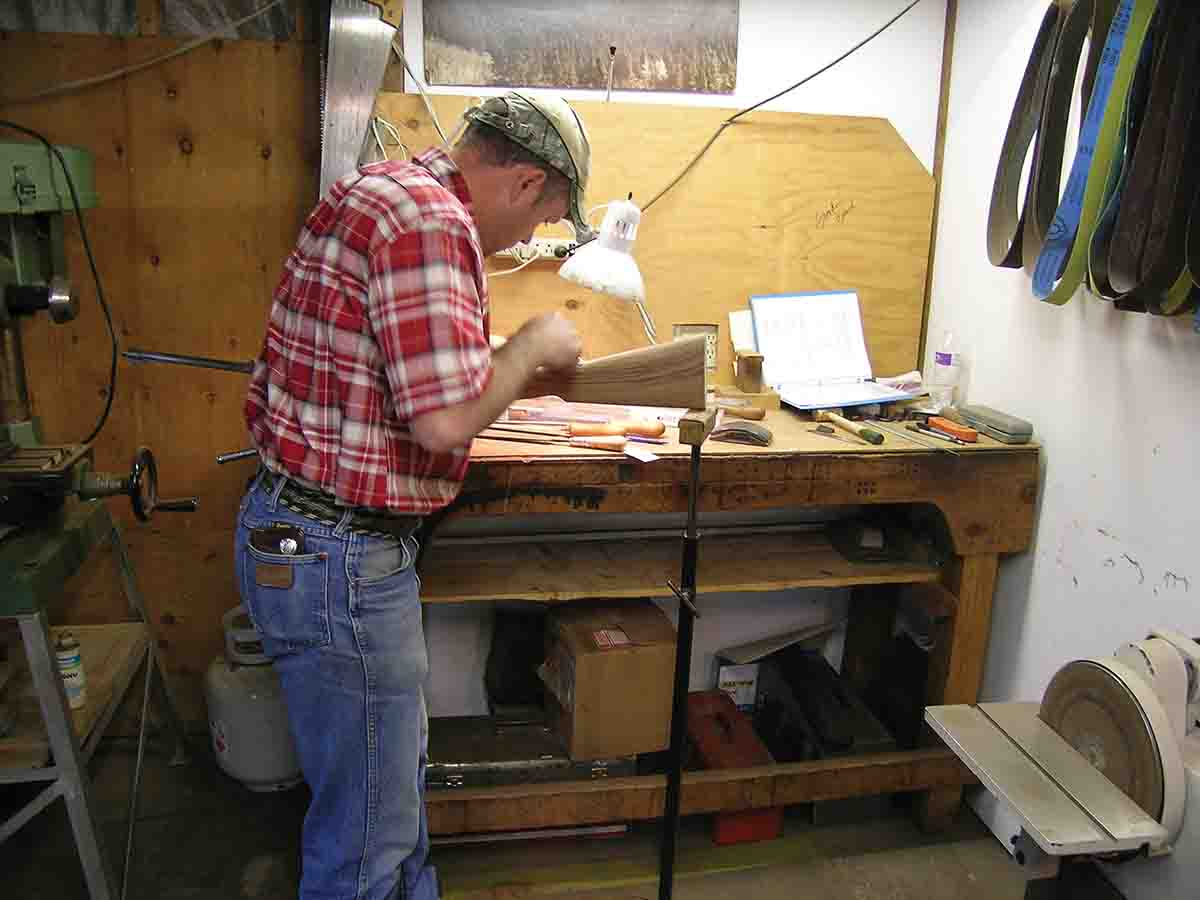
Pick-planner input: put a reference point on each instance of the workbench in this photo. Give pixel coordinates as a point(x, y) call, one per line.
point(982, 497)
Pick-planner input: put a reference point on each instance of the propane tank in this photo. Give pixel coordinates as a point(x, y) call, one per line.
point(247, 717)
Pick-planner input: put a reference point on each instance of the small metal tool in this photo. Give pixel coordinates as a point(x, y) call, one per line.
point(828, 431)
point(911, 436)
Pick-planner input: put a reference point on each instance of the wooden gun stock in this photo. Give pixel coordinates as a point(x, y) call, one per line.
point(663, 375)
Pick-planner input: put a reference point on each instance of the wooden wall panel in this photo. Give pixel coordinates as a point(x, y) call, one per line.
point(781, 202)
point(205, 169)
point(206, 166)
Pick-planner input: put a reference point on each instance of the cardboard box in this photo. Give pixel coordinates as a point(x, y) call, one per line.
point(610, 671)
point(738, 667)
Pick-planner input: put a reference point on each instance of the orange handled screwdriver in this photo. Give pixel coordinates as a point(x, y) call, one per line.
point(601, 442)
point(954, 429)
point(639, 428)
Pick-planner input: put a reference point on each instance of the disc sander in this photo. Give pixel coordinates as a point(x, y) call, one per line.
point(1098, 715)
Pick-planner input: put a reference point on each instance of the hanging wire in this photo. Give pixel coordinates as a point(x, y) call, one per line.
point(803, 81)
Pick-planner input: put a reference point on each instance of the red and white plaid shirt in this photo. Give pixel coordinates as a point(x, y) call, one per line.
point(381, 315)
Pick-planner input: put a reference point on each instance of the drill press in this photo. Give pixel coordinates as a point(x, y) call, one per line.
point(35, 477)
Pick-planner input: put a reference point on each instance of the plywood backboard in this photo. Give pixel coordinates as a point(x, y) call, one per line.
point(781, 202)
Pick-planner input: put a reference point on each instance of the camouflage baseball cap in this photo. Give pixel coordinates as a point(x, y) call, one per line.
point(553, 132)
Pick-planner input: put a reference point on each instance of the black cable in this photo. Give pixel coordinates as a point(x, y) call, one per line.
point(87, 246)
point(800, 83)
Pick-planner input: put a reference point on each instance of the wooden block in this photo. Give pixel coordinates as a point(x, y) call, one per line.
point(747, 369)
point(766, 398)
point(696, 426)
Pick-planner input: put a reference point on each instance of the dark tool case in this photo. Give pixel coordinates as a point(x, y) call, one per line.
point(476, 751)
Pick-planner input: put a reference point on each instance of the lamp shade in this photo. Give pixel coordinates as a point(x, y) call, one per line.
point(606, 264)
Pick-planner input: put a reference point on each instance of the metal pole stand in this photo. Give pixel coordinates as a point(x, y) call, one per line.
point(694, 428)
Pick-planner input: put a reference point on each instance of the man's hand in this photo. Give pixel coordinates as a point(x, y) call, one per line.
point(548, 341)
point(556, 342)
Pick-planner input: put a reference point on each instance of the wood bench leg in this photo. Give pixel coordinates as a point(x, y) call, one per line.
point(956, 663)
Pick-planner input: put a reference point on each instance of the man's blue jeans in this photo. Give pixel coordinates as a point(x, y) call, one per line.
point(342, 621)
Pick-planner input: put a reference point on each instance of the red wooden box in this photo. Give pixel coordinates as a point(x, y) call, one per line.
point(724, 739)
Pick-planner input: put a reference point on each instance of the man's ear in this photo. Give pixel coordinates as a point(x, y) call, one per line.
point(529, 184)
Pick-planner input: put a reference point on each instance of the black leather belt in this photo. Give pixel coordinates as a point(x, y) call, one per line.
point(321, 507)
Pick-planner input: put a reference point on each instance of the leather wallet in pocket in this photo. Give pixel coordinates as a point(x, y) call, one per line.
point(280, 540)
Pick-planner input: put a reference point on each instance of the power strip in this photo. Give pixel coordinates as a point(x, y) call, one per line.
point(551, 249)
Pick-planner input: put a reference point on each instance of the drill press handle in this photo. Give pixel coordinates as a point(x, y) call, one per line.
point(57, 298)
point(140, 486)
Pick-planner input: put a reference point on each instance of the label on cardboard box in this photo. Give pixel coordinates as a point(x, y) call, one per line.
point(608, 638)
point(740, 683)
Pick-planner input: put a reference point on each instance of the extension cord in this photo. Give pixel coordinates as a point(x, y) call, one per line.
point(551, 249)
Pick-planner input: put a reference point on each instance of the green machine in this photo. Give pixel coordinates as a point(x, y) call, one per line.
point(36, 478)
point(50, 521)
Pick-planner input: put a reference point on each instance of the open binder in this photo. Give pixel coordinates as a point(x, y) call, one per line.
point(814, 352)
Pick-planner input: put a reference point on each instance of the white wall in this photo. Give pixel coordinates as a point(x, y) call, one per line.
point(896, 76)
point(1114, 398)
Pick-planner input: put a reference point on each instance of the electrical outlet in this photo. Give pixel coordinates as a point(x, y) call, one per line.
point(710, 341)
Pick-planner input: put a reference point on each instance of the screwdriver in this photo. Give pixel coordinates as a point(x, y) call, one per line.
point(634, 427)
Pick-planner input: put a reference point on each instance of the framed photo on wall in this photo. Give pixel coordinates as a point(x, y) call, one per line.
point(662, 45)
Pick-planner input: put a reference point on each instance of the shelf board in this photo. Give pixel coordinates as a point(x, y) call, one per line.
point(603, 800)
point(560, 571)
point(111, 656)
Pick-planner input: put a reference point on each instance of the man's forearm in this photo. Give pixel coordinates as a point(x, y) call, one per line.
point(513, 365)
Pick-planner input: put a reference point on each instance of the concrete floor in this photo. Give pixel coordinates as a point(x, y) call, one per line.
point(202, 836)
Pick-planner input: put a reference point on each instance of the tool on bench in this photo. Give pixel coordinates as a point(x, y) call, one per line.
point(920, 442)
point(827, 431)
point(964, 433)
point(614, 442)
point(743, 409)
point(740, 431)
point(629, 428)
point(641, 432)
point(934, 433)
point(862, 431)
point(992, 422)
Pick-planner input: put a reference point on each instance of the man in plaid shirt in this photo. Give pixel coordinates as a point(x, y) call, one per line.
point(375, 374)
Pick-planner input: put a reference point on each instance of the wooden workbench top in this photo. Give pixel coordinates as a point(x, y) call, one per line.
point(792, 434)
point(986, 493)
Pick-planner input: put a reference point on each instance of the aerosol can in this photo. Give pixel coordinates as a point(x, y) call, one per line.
point(247, 718)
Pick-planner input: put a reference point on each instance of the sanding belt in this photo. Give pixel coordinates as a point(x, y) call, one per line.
point(1142, 147)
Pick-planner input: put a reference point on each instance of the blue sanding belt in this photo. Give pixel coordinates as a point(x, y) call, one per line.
point(1062, 265)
